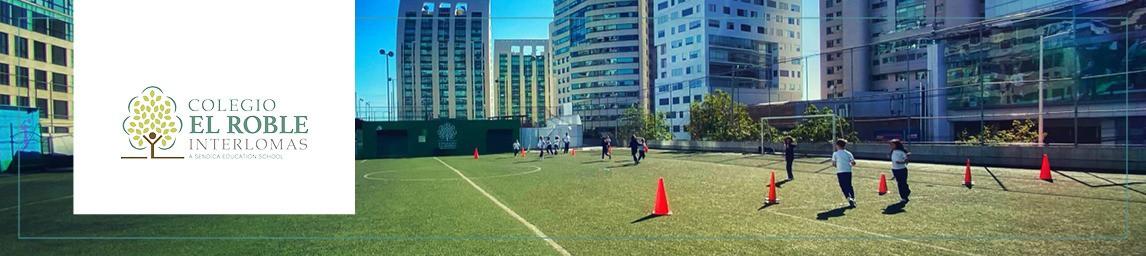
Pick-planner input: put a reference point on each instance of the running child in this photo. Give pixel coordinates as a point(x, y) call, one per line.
point(843, 160)
point(899, 169)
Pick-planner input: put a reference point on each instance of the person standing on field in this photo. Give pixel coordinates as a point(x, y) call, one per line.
point(789, 155)
point(843, 160)
point(635, 145)
point(605, 147)
point(899, 169)
point(516, 147)
point(541, 147)
point(567, 140)
point(644, 148)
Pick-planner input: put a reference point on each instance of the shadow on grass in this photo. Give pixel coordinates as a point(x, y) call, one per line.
point(623, 165)
point(895, 208)
point(651, 216)
point(780, 184)
point(837, 212)
point(766, 205)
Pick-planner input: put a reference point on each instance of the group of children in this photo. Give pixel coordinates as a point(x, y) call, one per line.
point(843, 161)
point(546, 145)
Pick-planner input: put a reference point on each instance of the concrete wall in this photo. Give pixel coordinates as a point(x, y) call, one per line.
point(1082, 158)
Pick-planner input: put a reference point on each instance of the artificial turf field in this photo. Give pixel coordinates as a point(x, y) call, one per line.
point(587, 206)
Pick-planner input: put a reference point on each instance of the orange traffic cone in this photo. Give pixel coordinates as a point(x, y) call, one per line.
point(882, 184)
point(610, 150)
point(1045, 172)
point(661, 206)
point(475, 153)
point(522, 152)
point(573, 152)
point(772, 190)
point(967, 175)
point(646, 148)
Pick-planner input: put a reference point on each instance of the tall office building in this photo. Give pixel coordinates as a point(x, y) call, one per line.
point(442, 55)
point(601, 58)
point(873, 46)
point(36, 65)
point(519, 85)
point(748, 49)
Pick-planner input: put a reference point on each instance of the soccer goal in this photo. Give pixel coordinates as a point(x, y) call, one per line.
point(774, 128)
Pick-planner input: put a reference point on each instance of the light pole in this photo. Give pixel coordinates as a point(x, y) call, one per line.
point(358, 108)
point(390, 90)
point(1042, 135)
point(368, 112)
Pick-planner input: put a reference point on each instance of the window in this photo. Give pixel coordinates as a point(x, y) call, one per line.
point(62, 129)
point(42, 105)
point(21, 47)
point(5, 100)
point(41, 80)
point(686, 12)
point(3, 43)
point(664, 101)
point(21, 76)
point(662, 5)
point(697, 98)
point(60, 109)
point(745, 28)
point(23, 101)
point(714, 23)
point(59, 82)
point(41, 51)
point(59, 56)
point(5, 75)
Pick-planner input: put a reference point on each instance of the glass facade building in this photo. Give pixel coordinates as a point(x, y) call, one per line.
point(1093, 71)
point(36, 64)
point(873, 46)
point(520, 87)
point(442, 54)
point(749, 49)
point(600, 53)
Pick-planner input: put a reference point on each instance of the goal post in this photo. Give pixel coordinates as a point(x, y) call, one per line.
point(764, 123)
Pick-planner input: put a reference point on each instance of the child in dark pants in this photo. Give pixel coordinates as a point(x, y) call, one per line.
point(843, 160)
point(644, 148)
point(789, 154)
point(635, 145)
point(899, 169)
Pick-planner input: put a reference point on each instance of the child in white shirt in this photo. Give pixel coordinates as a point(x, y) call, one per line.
point(843, 160)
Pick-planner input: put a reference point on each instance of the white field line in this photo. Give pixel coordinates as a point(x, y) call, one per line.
point(536, 231)
point(36, 202)
point(874, 233)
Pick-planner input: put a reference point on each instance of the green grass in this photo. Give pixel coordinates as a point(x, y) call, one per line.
point(420, 206)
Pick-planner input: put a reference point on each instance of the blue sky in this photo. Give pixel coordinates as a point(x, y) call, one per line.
point(375, 26)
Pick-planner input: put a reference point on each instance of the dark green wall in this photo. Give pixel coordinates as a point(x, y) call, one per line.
point(401, 138)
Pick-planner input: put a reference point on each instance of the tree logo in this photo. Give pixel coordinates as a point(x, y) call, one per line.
point(446, 136)
point(152, 123)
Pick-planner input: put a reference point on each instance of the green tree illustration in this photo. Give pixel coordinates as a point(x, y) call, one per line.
point(151, 122)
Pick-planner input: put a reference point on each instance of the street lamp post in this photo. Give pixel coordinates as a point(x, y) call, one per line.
point(358, 108)
point(1042, 80)
point(390, 90)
